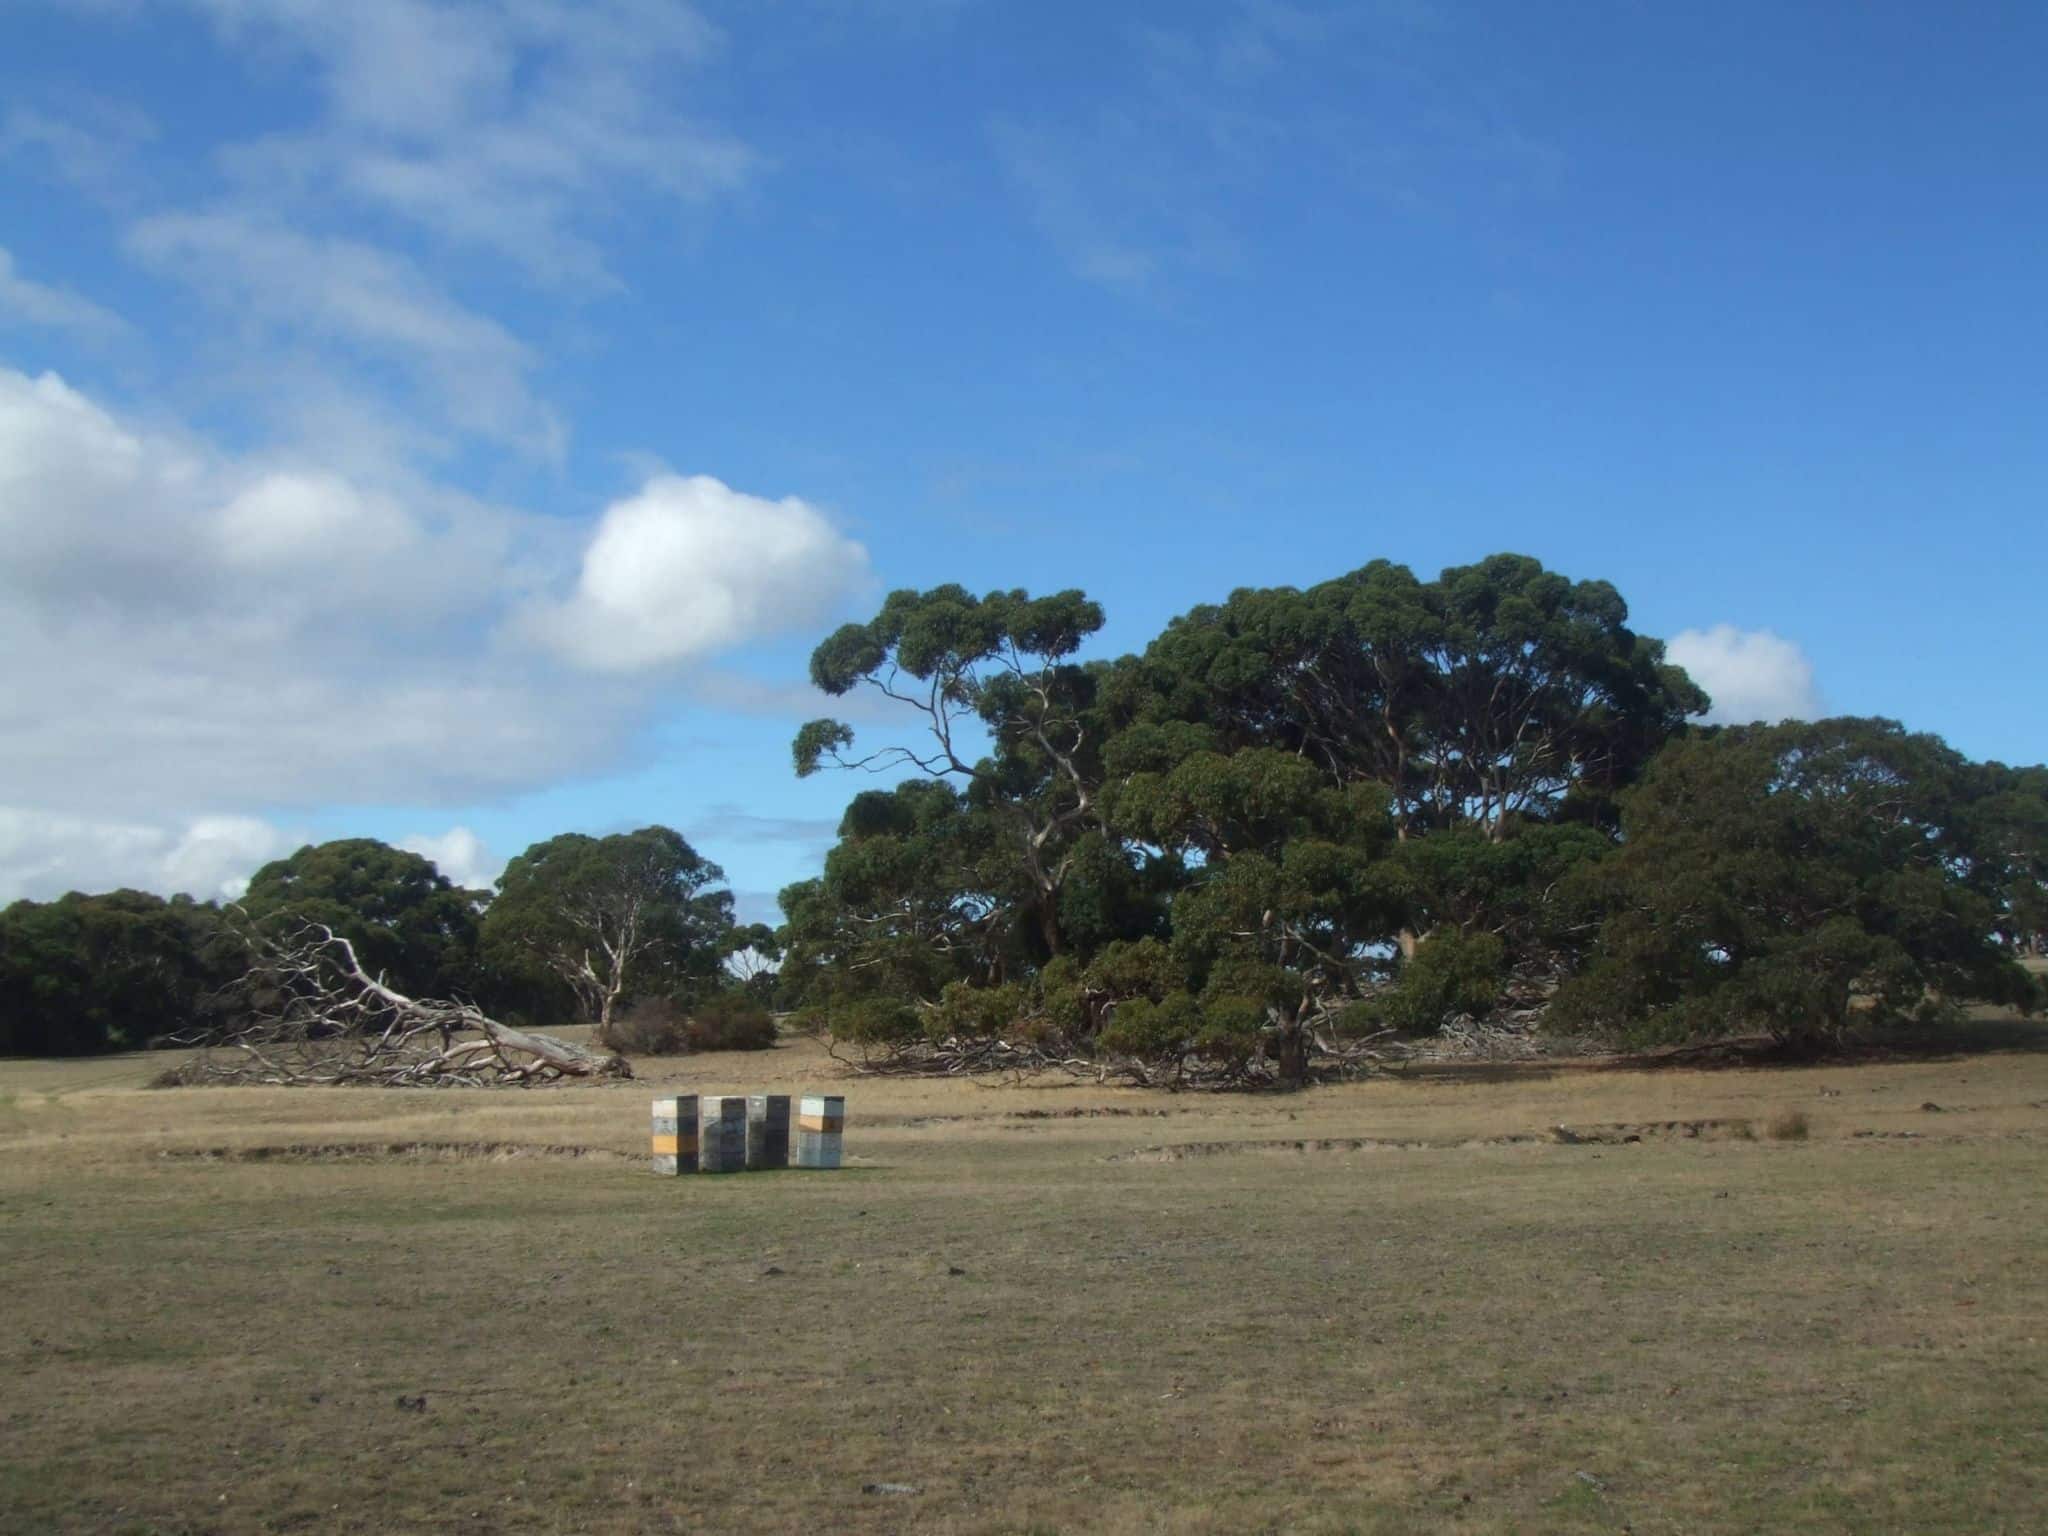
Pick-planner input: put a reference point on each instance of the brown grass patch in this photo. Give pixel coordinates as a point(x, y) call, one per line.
point(361, 1311)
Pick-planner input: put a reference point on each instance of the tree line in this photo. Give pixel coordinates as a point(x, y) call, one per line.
point(1300, 818)
point(578, 928)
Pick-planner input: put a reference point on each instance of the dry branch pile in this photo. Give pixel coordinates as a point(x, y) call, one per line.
point(308, 1014)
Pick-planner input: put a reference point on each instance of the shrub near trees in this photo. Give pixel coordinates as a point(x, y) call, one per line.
point(1299, 818)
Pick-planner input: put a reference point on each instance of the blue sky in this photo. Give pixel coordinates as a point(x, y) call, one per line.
point(454, 423)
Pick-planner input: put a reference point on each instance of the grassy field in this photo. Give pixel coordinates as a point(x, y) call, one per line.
point(1409, 1304)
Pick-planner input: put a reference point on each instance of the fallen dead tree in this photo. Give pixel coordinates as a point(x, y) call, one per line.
point(954, 1057)
point(307, 1013)
point(1330, 1056)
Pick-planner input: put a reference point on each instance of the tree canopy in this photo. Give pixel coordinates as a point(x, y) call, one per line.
point(1795, 880)
point(1291, 824)
point(85, 974)
point(611, 918)
point(1379, 803)
point(404, 917)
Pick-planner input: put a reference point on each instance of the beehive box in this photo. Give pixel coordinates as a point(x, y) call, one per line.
point(820, 1128)
point(768, 1130)
point(722, 1133)
point(675, 1135)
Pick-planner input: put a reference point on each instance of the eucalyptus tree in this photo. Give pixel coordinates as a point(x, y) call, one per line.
point(918, 891)
point(1497, 694)
point(1001, 709)
point(1284, 900)
point(1797, 881)
point(2009, 819)
point(405, 918)
point(90, 973)
point(614, 917)
point(1497, 701)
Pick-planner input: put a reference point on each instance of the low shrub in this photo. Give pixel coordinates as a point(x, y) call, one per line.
point(653, 1026)
point(1792, 1125)
point(730, 1022)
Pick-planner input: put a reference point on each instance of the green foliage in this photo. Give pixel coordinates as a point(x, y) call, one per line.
point(2008, 825)
point(863, 1020)
point(406, 920)
point(1155, 1031)
point(611, 919)
point(987, 672)
point(1293, 783)
point(1796, 881)
point(1452, 973)
point(729, 1021)
point(977, 1013)
point(815, 741)
point(87, 974)
point(1499, 691)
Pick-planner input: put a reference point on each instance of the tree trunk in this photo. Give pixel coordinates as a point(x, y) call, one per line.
point(1293, 1056)
point(1049, 924)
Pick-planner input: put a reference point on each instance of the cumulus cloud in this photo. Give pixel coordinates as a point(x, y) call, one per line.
point(459, 854)
point(689, 567)
point(55, 308)
point(191, 633)
point(44, 855)
point(288, 518)
point(1751, 674)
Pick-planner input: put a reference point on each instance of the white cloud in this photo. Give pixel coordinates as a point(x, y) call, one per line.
point(459, 854)
point(55, 308)
point(689, 567)
point(88, 142)
point(44, 855)
point(190, 634)
point(509, 125)
point(1751, 674)
point(288, 518)
point(343, 293)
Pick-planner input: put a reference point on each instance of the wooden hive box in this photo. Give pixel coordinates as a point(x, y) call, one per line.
point(675, 1135)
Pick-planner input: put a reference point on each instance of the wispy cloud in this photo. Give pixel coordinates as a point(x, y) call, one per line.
point(87, 143)
point(43, 856)
point(40, 304)
point(510, 126)
point(278, 281)
point(1157, 177)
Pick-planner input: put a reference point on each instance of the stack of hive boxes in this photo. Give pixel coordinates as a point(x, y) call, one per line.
point(724, 1133)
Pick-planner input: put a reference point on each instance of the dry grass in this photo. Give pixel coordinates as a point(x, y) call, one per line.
point(1436, 1315)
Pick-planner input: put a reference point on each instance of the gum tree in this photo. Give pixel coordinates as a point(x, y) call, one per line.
point(1002, 711)
point(612, 917)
